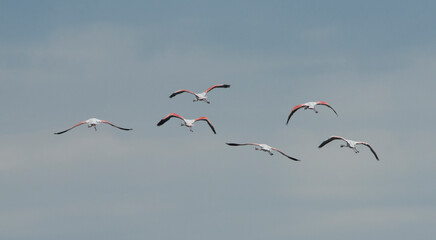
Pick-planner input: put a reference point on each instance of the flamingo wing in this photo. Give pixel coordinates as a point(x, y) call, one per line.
point(328, 105)
point(208, 122)
point(217, 86)
point(285, 154)
point(181, 91)
point(294, 109)
point(331, 139)
point(372, 150)
point(113, 125)
point(168, 117)
point(80, 123)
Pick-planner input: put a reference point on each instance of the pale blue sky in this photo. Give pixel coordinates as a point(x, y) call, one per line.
point(62, 62)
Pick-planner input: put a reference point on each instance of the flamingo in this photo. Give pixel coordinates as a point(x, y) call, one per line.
point(309, 105)
point(186, 122)
point(92, 122)
point(263, 147)
point(200, 96)
point(349, 143)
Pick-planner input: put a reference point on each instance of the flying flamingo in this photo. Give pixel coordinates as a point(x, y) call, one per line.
point(262, 147)
point(309, 105)
point(186, 122)
point(92, 122)
point(349, 143)
point(200, 96)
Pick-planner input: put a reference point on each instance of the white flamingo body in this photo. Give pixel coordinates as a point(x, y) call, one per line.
point(93, 122)
point(264, 148)
point(350, 144)
point(186, 122)
point(309, 105)
point(200, 96)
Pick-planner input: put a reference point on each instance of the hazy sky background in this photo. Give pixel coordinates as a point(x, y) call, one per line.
point(62, 62)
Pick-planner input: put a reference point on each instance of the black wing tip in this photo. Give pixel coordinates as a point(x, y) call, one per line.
point(125, 129)
point(226, 85)
point(375, 155)
point(162, 121)
point(292, 158)
point(172, 95)
point(334, 110)
point(213, 130)
point(291, 114)
point(232, 144)
point(322, 144)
